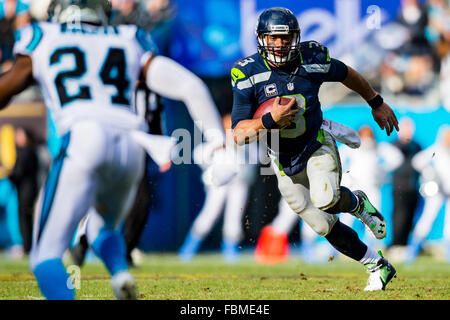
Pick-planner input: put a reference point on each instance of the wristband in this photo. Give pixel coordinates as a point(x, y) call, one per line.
point(375, 102)
point(268, 121)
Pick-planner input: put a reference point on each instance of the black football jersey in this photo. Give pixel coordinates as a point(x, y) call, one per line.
point(254, 81)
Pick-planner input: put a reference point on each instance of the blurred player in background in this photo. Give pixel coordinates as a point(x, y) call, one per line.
point(10, 235)
point(438, 32)
point(367, 168)
point(405, 191)
point(79, 61)
point(25, 178)
point(149, 104)
point(83, 174)
point(272, 246)
point(227, 191)
point(433, 164)
point(304, 156)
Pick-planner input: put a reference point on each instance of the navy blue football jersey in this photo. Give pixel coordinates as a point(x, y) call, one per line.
point(254, 81)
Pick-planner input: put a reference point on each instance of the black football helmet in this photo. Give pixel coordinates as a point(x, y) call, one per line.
point(278, 21)
point(70, 11)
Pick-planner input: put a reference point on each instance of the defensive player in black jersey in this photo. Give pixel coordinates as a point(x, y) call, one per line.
point(304, 156)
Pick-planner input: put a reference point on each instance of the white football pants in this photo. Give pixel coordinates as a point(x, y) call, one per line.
point(99, 166)
point(234, 197)
point(316, 186)
point(430, 211)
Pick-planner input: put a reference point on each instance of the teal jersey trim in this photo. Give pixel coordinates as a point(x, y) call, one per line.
point(36, 39)
point(145, 41)
point(52, 183)
point(22, 7)
point(2, 10)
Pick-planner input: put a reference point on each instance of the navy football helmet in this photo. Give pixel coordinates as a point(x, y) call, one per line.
point(70, 11)
point(278, 21)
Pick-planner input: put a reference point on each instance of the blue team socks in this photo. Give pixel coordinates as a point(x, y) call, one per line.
point(230, 250)
point(190, 246)
point(110, 247)
point(412, 250)
point(52, 279)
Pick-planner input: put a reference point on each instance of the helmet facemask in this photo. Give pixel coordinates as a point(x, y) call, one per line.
point(279, 55)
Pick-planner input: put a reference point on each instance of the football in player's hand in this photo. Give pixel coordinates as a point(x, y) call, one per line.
point(267, 105)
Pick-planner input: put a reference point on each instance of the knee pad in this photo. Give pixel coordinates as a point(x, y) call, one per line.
point(295, 196)
point(320, 221)
point(323, 174)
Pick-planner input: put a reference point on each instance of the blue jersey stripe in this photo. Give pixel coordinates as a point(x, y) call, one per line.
point(36, 39)
point(52, 183)
point(145, 41)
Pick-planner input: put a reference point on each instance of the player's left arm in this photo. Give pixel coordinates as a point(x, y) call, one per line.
point(381, 111)
point(329, 69)
point(17, 79)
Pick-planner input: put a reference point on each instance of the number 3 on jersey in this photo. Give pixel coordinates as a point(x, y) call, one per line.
point(298, 126)
point(113, 72)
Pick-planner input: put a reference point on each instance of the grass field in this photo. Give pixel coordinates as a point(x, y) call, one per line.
point(208, 277)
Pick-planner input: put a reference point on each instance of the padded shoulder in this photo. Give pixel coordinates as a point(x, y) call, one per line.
point(245, 67)
point(314, 52)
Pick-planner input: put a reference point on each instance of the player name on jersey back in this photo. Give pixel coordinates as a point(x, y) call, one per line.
point(85, 65)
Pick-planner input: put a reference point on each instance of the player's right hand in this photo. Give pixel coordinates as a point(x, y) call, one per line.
point(385, 118)
point(283, 115)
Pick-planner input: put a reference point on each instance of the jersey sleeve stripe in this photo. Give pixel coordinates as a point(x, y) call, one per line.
point(257, 78)
point(318, 68)
point(36, 39)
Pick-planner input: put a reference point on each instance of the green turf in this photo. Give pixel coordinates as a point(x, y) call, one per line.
point(208, 277)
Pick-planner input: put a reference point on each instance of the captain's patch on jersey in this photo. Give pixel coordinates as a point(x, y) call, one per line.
point(271, 90)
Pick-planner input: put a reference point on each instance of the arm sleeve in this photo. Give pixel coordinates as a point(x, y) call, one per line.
point(242, 108)
point(169, 79)
point(338, 71)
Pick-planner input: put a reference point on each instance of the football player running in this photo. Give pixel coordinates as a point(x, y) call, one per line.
point(88, 71)
point(304, 156)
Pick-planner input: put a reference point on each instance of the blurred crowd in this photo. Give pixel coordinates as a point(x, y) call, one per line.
point(415, 63)
point(150, 14)
point(411, 55)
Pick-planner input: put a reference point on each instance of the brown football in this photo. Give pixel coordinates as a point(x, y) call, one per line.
point(267, 105)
